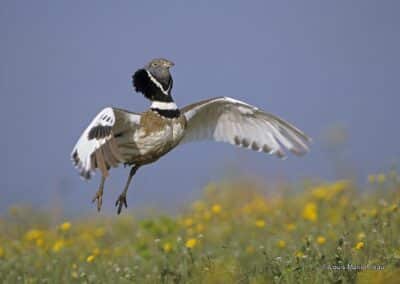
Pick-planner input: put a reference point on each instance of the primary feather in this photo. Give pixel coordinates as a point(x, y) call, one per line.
point(228, 120)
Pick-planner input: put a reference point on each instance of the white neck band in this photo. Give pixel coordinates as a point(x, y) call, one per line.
point(164, 105)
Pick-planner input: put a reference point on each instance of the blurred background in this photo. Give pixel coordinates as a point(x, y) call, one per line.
point(331, 68)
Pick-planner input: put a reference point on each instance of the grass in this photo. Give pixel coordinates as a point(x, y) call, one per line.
point(311, 233)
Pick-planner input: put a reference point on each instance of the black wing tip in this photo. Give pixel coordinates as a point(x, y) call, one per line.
point(85, 175)
point(75, 157)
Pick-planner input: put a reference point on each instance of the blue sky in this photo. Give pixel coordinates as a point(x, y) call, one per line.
point(314, 63)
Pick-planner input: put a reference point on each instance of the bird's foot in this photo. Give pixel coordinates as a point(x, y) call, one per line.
point(99, 198)
point(121, 201)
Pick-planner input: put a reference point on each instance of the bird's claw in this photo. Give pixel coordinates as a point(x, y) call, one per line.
point(99, 198)
point(121, 201)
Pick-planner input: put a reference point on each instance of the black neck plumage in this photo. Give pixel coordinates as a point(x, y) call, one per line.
point(157, 91)
point(167, 113)
point(150, 87)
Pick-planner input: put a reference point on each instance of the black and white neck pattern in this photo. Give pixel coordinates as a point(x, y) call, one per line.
point(152, 88)
point(166, 109)
point(158, 91)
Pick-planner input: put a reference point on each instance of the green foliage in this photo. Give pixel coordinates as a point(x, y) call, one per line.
point(320, 233)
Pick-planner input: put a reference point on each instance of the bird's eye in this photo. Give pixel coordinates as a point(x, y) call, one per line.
point(154, 64)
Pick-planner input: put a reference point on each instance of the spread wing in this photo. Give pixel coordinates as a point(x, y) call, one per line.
point(98, 145)
point(238, 123)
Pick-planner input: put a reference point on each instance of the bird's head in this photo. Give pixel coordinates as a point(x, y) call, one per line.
point(159, 67)
point(154, 81)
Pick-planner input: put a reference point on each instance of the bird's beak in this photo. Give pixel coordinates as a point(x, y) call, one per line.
point(169, 64)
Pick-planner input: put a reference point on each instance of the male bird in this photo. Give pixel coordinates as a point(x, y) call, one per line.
point(118, 136)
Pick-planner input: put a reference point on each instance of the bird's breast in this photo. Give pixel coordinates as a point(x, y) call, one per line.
point(157, 136)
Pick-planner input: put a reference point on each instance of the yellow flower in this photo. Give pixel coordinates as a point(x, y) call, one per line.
point(74, 274)
point(198, 206)
point(310, 212)
point(260, 223)
point(191, 243)
point(299, 254)
point(361, 236)
point(216, 208)
point(371, 179)
point(381, 178)
point(290, 227)
point(188, 222)
point(199, 228)
point(320, 192)
point(328, 191)
point(281, 244)
point(39, 242)
point(65, 226)
point(373, 212)
point(339, 186)
point(359, 245)
point(257, 205)
point(58, 245)
point(1, 252)
point(250, 249)
point(321, 240)
point(167, 247)
point(96, 251)
point(207, 215)
point(393, 207)
point(90, 258)
point(34, 234)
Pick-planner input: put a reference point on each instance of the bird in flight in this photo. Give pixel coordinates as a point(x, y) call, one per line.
point(116, 136)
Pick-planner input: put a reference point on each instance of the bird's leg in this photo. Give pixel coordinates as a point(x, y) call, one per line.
point(121, 201)
point(99, 194)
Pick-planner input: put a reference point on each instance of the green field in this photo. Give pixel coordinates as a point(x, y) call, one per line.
point(238, 232)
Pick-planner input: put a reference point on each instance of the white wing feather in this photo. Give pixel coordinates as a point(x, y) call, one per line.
point(228, 120)
point(97, 146)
